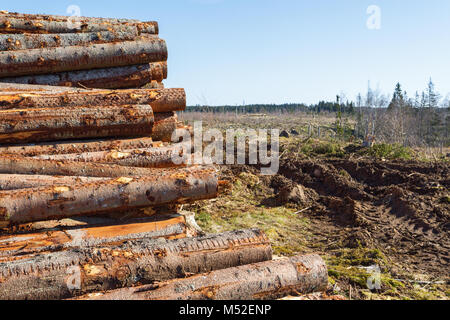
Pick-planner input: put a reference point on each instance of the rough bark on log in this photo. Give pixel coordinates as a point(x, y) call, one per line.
point(125, 77)
point(47, 124)
point(161, 157)
point(15, 88)
point(70, 273)
point(47, 203)
point(261, 281)
point(36, 41)
point(59, 147)
point(164, 126)
point(24, 165)
point(161, 100)
point(106, 55)
point(24, 23)
point(99, 232)
point(23, 181)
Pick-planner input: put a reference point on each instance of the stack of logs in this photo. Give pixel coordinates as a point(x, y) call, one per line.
point(89, 195)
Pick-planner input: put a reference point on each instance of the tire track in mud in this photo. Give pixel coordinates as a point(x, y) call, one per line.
point(399, 207)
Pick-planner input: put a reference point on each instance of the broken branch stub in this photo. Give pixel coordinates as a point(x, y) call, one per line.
point(167, 187)
point(134, 262)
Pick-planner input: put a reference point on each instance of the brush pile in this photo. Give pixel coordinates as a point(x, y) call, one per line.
point(90, 197)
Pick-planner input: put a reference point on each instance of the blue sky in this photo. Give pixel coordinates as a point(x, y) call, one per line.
point(277, 51)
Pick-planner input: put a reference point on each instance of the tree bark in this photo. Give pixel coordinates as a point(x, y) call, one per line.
point(164, 187)
point(124, 77)
point(161, 157)
point(10, 164)
point(59, 147)
point(106, 55)
point(25, 23)
point(260, 281)
point(164, 126)
point(36, 41)
point(161, 100)
point(23, 181)
point(56, 275)
point(47, 124)
point(97, 232)
point(15, 88)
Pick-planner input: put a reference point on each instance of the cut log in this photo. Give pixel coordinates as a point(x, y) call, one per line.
point(20, 23)
point(58, 147)
point(79, 271)
point(161, 100)
point(161, 157)
point(105, 78)
point(14, 88)
point(23, 165)
point(164, 187)
point(47, 124)
point(261, 281)
point(94, 233)
point(36, 41)
point(23, 181)
point(106, 55)
point(164, 126)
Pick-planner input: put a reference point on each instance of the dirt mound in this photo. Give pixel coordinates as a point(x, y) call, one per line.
point(401, 208)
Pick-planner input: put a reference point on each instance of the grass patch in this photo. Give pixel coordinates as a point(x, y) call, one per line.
point(390, 151)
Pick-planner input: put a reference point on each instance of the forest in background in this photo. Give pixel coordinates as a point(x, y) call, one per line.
point(417, 121)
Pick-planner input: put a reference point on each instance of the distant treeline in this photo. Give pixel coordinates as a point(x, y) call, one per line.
point(322, 106)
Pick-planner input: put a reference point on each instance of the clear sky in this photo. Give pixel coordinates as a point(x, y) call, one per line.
point(277, 51)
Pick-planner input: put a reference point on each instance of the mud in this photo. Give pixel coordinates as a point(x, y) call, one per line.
point(401, 208)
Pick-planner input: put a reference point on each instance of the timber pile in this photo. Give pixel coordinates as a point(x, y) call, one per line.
point(89, 195)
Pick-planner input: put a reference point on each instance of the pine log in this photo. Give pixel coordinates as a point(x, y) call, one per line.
point(164, 126)
point(15, 88)
point(10, 164)
point(161, 157)
point(36, 41)
point(47, 124)
point(260, 281)
point(79, 271)
point(23, 181)
point(164, 187)
point(106, 55)
point(134, 76)
point(25, 23)
point(161, 100)
point(98, 232)
point(83, 146)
